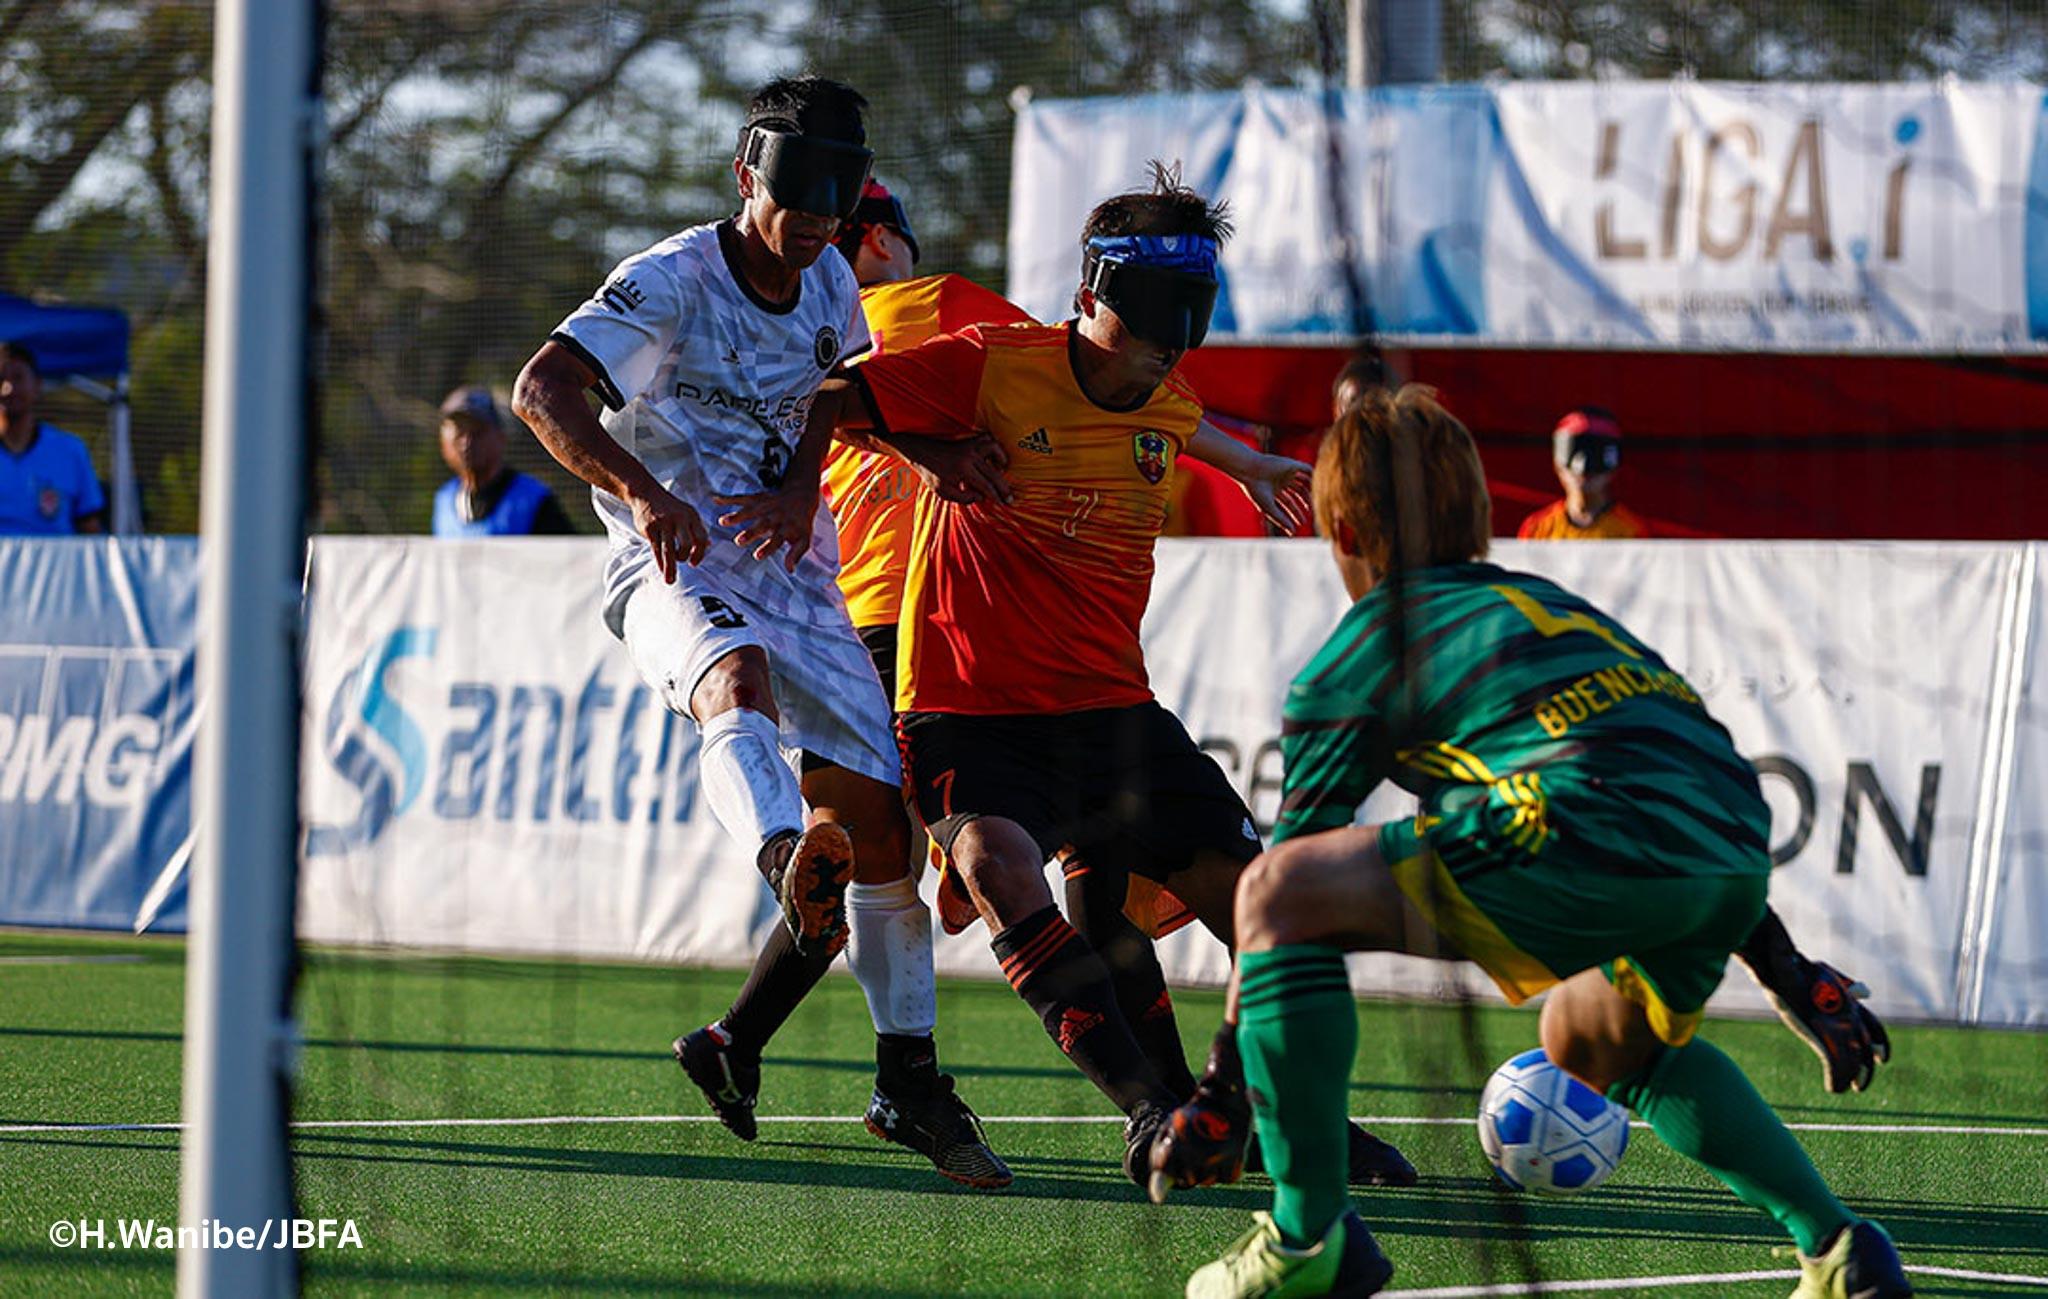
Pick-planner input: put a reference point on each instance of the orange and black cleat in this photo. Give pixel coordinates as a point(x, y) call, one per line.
point(811, 885)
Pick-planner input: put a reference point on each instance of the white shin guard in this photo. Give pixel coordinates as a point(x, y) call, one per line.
point(752, 791)
point(890, 950)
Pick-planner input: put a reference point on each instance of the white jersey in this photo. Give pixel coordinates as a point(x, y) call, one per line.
point(709, 386)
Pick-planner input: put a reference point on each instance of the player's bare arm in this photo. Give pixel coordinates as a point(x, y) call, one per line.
point(1277, 485)
point(965, 471)
point(549, 398)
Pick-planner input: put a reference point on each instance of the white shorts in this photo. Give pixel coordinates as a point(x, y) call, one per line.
point(823, 679)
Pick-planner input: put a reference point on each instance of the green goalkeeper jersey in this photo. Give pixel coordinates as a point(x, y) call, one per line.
point(1531, 726)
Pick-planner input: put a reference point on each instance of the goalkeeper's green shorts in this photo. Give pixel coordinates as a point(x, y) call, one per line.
point(1531, 921)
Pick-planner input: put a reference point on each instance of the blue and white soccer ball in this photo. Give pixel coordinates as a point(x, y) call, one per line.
point(1544, 1130)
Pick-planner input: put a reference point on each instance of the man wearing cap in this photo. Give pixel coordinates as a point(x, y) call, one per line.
point(1586, 451)
point(707, 351)
point(47, 484)
point(487, 497)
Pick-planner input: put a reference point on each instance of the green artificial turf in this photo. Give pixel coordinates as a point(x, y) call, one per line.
point(821, 1208)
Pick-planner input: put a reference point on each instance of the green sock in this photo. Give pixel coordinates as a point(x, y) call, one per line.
point(1297, 1030)
point(1702, 1105)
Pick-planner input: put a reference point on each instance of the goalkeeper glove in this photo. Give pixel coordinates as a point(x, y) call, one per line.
point(1820, 1004)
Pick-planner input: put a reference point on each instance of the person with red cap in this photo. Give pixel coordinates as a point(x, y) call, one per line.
point(1586, 451)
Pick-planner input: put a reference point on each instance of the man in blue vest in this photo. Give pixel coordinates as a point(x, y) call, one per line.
point(47, 485)
point(487, 497)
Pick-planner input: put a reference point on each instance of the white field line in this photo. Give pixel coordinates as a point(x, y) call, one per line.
point(1585, 1287)
point(1632, 1283)
point(1964, 1274)
point(105, 959)
point(567, 1120)
point(1448, 1292)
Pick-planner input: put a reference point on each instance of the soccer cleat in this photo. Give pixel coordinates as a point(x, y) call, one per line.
point(1346, 1261)
point(1203, 1142)
point(811, 887)
point(1373, 1162)
point(1861, 1263)
point(943, 1130)
point(1377, 1163)
point(1141, 1129)
point(730, 1082)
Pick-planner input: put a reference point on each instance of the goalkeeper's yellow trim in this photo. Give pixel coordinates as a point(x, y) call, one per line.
point(1673, 1027)
point(1423, 876)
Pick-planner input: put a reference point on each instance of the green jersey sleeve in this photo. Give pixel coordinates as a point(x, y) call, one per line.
point(1334, 745)
point(1328, 774)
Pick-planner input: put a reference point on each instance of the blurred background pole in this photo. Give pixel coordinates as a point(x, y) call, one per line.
point(236, 1169)
point(1357, 51)
point(1393, 42)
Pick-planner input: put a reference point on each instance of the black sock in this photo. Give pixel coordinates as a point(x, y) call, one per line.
point(773, 855)
point(782, 976)
point(1062, 978)
point(1095, 902)
point(906, 1067)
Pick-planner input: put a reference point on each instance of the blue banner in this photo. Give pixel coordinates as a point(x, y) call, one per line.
point(96, 726)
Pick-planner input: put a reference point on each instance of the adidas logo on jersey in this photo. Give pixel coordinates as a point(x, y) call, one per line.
point(1036, 442)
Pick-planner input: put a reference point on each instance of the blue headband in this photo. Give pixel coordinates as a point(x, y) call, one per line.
point(1192, 254)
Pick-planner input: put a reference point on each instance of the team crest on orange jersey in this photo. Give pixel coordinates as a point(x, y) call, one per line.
point(1149, 448)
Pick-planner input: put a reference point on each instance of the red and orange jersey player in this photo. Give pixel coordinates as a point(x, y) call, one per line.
point(873, 497)
point(1586, 451)
point(873, 494)
point(1024, 708)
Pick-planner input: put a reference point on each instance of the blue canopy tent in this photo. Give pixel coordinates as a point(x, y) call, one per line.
point(85, 348)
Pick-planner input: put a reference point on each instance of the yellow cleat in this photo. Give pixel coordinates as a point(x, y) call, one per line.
point(1861, 1263)
point(1347, 1262)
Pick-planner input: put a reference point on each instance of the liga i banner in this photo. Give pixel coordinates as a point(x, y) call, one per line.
point(1647, 214)
point(484, 771)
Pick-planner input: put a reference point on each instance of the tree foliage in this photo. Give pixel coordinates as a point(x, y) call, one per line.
point(488, 161)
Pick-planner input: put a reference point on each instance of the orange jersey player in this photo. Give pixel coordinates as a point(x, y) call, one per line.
point(1026, 716)
point(873, 494)
point(873, 497)
point(1586, 448)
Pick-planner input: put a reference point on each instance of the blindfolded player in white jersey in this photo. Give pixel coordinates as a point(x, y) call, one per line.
point(707, 351)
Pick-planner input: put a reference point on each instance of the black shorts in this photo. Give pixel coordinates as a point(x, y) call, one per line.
point(1125, 787)
point(881, 642)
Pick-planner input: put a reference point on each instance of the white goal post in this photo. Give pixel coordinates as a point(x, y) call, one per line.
point(235, 1167)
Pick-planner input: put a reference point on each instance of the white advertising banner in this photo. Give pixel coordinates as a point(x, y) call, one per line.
point(1640, 214)
point(1857, 677)
point(1762, 215)
point(483, 771)
point(2004, 974)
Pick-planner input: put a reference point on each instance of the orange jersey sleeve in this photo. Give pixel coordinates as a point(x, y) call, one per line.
point(1553, 523)
point(932, 389)
point(1034, 607)
point(873, 495)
